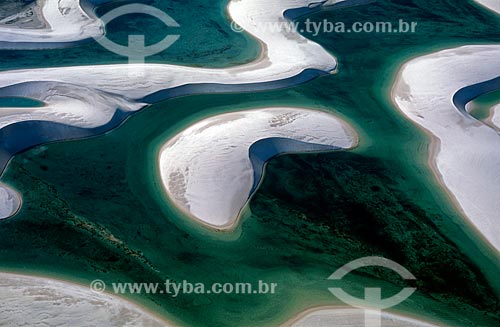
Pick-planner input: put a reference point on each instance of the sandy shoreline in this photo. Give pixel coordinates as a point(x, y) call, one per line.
point(494, 118)
point(493, 5)
point(219, 161)
point(463, 151)
point(45, 296)
point(343, 316)
point(95, 121)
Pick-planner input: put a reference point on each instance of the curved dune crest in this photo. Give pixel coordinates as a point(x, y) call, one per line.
point(350, 317)
point(468, 156)
point(48, 24)
point(56, 303)
point(65, 103)
point(210, 169)
point(10, 201)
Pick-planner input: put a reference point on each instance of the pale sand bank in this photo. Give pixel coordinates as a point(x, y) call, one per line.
point(467, 154)
point(494, 119)
point(10, 201)
point(211, 168)
point(350, 317)
point(490, 4)
point(37, 301)
point(49, 23)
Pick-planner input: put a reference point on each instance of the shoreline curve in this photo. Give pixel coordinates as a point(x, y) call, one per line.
point(45, 296)
point(326, 316)
point(465, 153)
point(211, 169)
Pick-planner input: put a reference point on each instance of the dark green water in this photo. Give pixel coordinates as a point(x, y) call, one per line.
point(205, 40)
point(95, 208)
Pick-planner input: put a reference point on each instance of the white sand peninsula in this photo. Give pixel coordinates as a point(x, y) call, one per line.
point(490, 4)
point(36, 301)
point(48, 24)
point(350, 317)
point(10, 201)
point(87, 100)
point(466, 151)
point(210, 169)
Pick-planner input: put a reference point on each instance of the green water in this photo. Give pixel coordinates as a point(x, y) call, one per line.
point(17, 102)
point(481, 106)
point(95, 208)
point(205, 40)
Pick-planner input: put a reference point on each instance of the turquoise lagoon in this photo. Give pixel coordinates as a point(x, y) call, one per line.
point(95, 209)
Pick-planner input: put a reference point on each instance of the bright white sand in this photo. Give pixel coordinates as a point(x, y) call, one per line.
point(89, 96)
point(467, 157)
point(206, 169)
point(495, 116)
point(10, 201)
point(36, 301)
point(490, 4)
point(350, 317)
point(66, 104)
point(64, 22)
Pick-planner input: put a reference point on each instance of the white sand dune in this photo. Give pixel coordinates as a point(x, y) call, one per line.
point(95, 98)
point(467, 151)
point(350, 317)
point(490, 4)
point(36, 301)
point(495, 116)
point(66, 104)
point(10, 201)
point(210, 169)
point(48, 24)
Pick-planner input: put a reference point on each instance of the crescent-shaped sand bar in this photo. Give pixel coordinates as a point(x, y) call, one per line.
point(210, 169)
point(433, 91)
